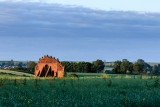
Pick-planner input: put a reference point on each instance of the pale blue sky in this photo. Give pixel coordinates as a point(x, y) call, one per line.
point(80, 33)
point(123, 5)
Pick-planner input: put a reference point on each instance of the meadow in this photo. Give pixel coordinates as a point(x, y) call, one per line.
point(87, 90)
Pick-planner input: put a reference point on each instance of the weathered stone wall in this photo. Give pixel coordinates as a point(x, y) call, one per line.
point(48, 66)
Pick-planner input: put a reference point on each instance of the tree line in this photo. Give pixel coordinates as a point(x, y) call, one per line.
point(120, 67)
point(81, 67)
point(139, 66)
point(84, 67)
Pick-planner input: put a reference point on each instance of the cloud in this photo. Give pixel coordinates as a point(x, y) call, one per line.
point(24, 16)
point(69, 31)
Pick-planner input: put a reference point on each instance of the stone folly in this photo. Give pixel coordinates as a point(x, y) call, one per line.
point(49, 67)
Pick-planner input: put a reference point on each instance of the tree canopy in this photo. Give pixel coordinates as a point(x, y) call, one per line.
point(139, 66)
point(85, 67)
point(31, 65)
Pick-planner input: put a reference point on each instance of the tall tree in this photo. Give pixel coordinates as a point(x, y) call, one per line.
point(125, 66)
point(98, 66)
point(155, 69)
point(117, 66)
point(131, 68)
point(31, 65)
point(139, 66)
point(68, 67)
point(87, 67)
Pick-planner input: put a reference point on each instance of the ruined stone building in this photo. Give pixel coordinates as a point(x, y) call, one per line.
point(49, 67)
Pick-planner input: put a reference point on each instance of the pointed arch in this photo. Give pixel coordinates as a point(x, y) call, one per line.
point(50, 73)
point(44, 71)
point(38, 73)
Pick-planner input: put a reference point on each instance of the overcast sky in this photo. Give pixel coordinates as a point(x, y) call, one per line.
point(80, 30)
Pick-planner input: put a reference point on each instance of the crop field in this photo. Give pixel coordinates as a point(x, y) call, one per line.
point(87, 90)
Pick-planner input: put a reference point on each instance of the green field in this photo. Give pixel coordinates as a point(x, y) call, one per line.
point(88, 90)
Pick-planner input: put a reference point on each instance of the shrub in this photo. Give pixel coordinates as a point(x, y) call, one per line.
point(65, 74)
point(74, 75)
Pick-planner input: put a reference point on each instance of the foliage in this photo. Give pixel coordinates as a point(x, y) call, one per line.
point(65, 74)
point(84, 67)
point(155, 69)
point(22, 69)
point(98, 66)
point(125, 66)
point(122, 67)
point(131, 67)
point(77, 66)
point(117, 66)
point(84, 91)
point(74, 75)
point(139, 66)
point(31, 65)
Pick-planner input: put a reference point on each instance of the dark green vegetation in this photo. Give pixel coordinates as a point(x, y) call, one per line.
point(140, 66)
point(31, 66)
point(6, 74)
point(87, 90)
point(21, 69)
point(118, 67)
point(84, 67)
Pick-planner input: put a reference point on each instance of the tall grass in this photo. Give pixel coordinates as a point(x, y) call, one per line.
point(105, 90)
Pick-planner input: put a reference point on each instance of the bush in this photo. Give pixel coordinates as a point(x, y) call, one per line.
point(74, 75)
point(65, 74)
point(21, 69)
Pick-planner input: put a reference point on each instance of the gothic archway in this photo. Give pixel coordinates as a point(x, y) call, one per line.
point(50, 73)
point(44, 71)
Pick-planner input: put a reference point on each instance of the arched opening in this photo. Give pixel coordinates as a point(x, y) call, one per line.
point(50, 73)
point(44, 71)
point(46, 68)
point(56, 74)
point(38, 73)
